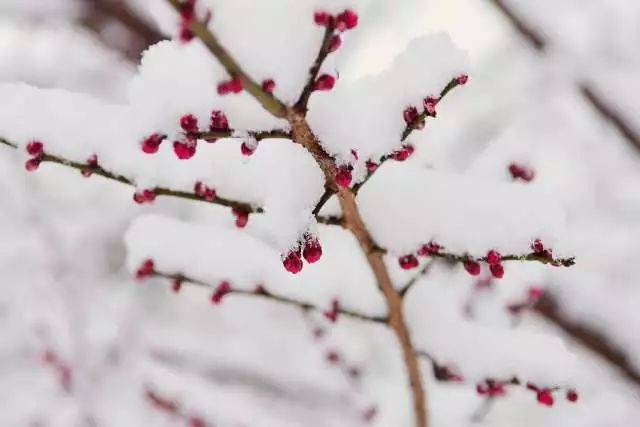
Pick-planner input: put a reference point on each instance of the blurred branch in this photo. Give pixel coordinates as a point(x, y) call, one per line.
point(422, 273)
point(99, 15)
point(595, 341)
point(601, 105)
point(201, 30)
point(261, 292)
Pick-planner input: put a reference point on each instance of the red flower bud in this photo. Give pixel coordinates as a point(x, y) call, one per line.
point(408, 262)
point(472, 267)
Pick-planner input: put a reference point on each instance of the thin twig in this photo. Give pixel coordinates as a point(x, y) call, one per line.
point(301, 105)
point(268, 101)
point(232, 133)
point(422, 273)
point(268, 295)
point(328, 192)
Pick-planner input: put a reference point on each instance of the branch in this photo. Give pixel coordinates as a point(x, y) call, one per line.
point(267, 100)
point(328, 192)
point(601, 105)
point(260, 292)
point(422, 273)
point(532, 257)
point(234, 133)
point(595, 341)
point(301, 105)
point(408, 130)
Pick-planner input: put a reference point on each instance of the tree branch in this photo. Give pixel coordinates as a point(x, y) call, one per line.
point(268, 295)
point(267, 100)
point(600, 104)
point(301, 105)
point(408, 130)
point(234, 133)
point(422, 273)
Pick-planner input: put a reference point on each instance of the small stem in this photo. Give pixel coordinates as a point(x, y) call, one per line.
point(232, 133)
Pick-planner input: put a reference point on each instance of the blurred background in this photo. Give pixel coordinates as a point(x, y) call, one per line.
point(553, 83)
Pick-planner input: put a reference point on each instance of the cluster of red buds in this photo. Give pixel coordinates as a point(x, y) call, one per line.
point(144, 196)
point(204, 192)
point(187, 18)
point(172, 407)
point(35, 149)
point(341, 22)
point(522, 172)
point(268, 85)
point(62, 369)
point(146, 269)
point(410, 261)
point(233, 85)
point(344, 176)
point(538, 248)
point(310, 249)
point(544, 395)
point(403, 153)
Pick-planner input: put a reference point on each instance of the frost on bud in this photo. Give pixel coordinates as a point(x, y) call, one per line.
point(312, 250)
point(335, 43)
point(332, 313)
point(322, 18)
point(572, 395)
point(144, 196)
point(242, 217)
point(430, 103)
point(35, 148)
point(248, 147)
point(545, 397)
point(472, 267)
point(219, 121)
point(497, 270)
point(347, 20)
point(371, 165)
point(343, 176)
point(92, 164)
point(204, 192)
point(32, 164)
point(151, 144)
point(324, 82)
point(184, 149)
point(268, 85)
point(223, 289)
point(431, 248)
point(146, 269)
point(189, 123)
point(408, 262)
point(462, 79)
point(404, 153)
point(524, 173)
point(292, 262)
point(494, 257)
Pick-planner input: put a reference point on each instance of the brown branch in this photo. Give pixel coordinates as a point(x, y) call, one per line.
point(260, 292)
point(601, 105)
point(533, 257)
point(301, 105)
point(100, 14)
point(595, 341)
point(267, 100)
point(408, 130)
point(257, 135)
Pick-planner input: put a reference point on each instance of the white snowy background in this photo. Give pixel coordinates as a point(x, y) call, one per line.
point(68, 245)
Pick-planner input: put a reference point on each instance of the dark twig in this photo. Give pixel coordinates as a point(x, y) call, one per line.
point(422, 273)
point(257, 135)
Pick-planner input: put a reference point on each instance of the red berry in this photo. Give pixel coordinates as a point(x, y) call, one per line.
point(268, 85)
point(572, 395)
point(430, 248)
point(189, 123)
point(242, 217)
point(176, 285)
point(430, 103)
point(524, 173)
point(347, 20)
point(223, 88)
point(324, 82)
point(248, 148)
point(494, 257)
point(144, 196)
point(462, 79)
point(35, 148)
point(408, 262)
point(184, 149)
point(292, 262)
point(335, 43)
point(472, 267)
point(497, 270)
point(219, 121)
point(235, 85)
point(146, 269)
point(223, 289)
point(371, 166)
point(32, 164)
point(312, 251)
point(321, 18)
point(151, 144)
point(343, 176)
point(545, 397)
